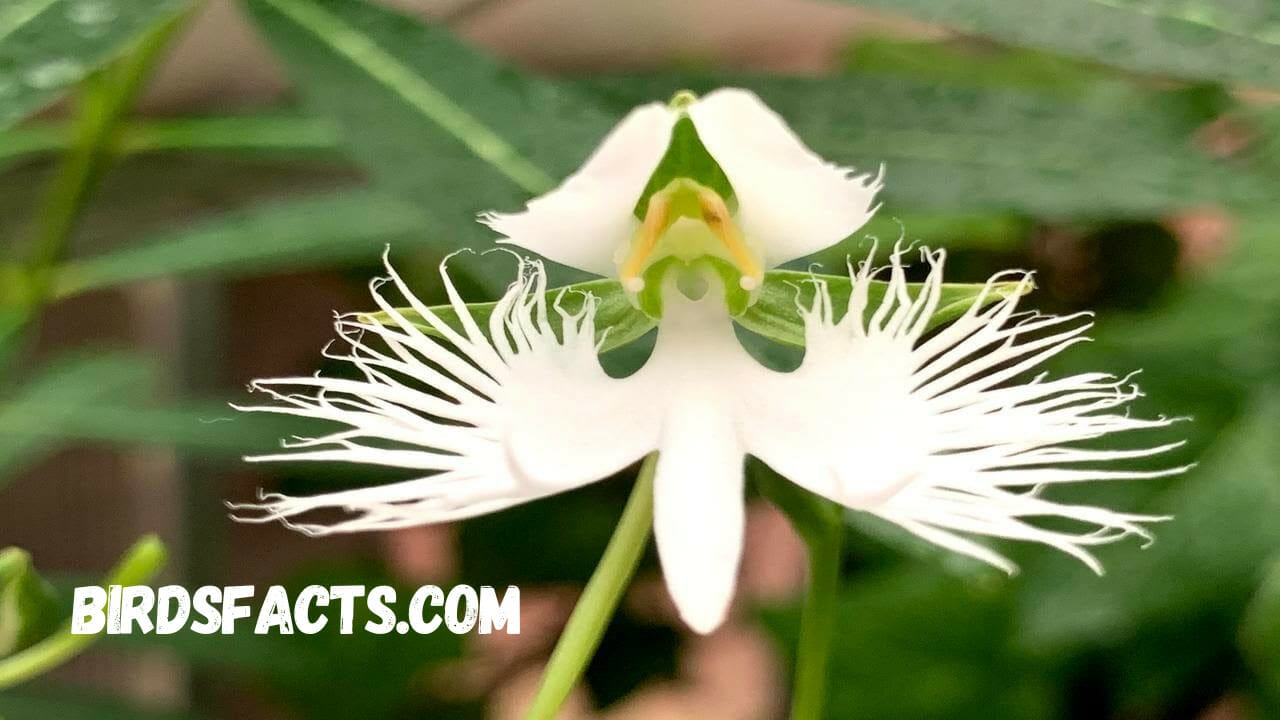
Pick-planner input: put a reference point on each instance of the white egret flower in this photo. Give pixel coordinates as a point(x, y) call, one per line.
point(929, 430)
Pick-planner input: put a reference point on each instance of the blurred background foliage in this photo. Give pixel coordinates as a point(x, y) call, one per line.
point(1128, 150)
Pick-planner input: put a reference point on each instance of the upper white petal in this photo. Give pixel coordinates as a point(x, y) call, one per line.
point(791, 203)
point(932, 435)
point(497, 416)
point(583, 222)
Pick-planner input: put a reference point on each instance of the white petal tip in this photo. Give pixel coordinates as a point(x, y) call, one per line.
point(701, 622)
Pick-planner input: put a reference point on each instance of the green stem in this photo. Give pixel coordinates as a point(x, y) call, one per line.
point(599, 599)
point(817, 620)
point(138, 565)
point(105, 99)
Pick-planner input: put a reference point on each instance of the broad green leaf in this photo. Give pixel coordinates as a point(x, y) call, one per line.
point(307, 232)
point(916, 644)
point(1102, 152)
point(138, 565)
point(1260, 631)
point(776, 312)
point(29, 608)
point(47, 46)
point(432, 119)
point(32, 414)
point(618, 322)
point(1229, 41)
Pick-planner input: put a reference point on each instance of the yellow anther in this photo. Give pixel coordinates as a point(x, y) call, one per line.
point(656, 219)
point(715, 213)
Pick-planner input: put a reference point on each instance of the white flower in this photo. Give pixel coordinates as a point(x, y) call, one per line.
point(928, 430)
point(928, 434)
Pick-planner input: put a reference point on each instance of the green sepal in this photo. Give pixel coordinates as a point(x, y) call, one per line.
point(775, 314)
point(686, 157)
point(29, 610)
point(618, 322)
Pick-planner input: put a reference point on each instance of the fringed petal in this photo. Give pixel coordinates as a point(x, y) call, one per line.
point(496, 419)
point(935, 433)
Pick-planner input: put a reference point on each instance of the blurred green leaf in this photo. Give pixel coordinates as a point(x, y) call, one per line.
point(47, 46)
point(36, 412)
point(1230, 41)
point(990, 231)
point(209, 427)
point(308, 232)
point(236, 133)
point(139, 564)
point(964, 62)
point(916, 644)
point(1205, 560)
point(949, 148)
point(1225, 320)
point(327, 674)
point(776, 312)
point(60, 707)
point(618, 322)
point(432, 119)
point(1260, 631)
point(29, 609)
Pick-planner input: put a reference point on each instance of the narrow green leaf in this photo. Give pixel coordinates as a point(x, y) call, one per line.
point(1230, 41)
point(138, 565)
point(245, 134)
point(618, 322)
point(308, 232)
point(431, 118)
point(776, 312)
point(47, 46)
point(29, 608)
point(33, 414)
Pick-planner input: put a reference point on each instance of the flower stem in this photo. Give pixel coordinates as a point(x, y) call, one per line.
point(817, 620)
point(599, 599)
